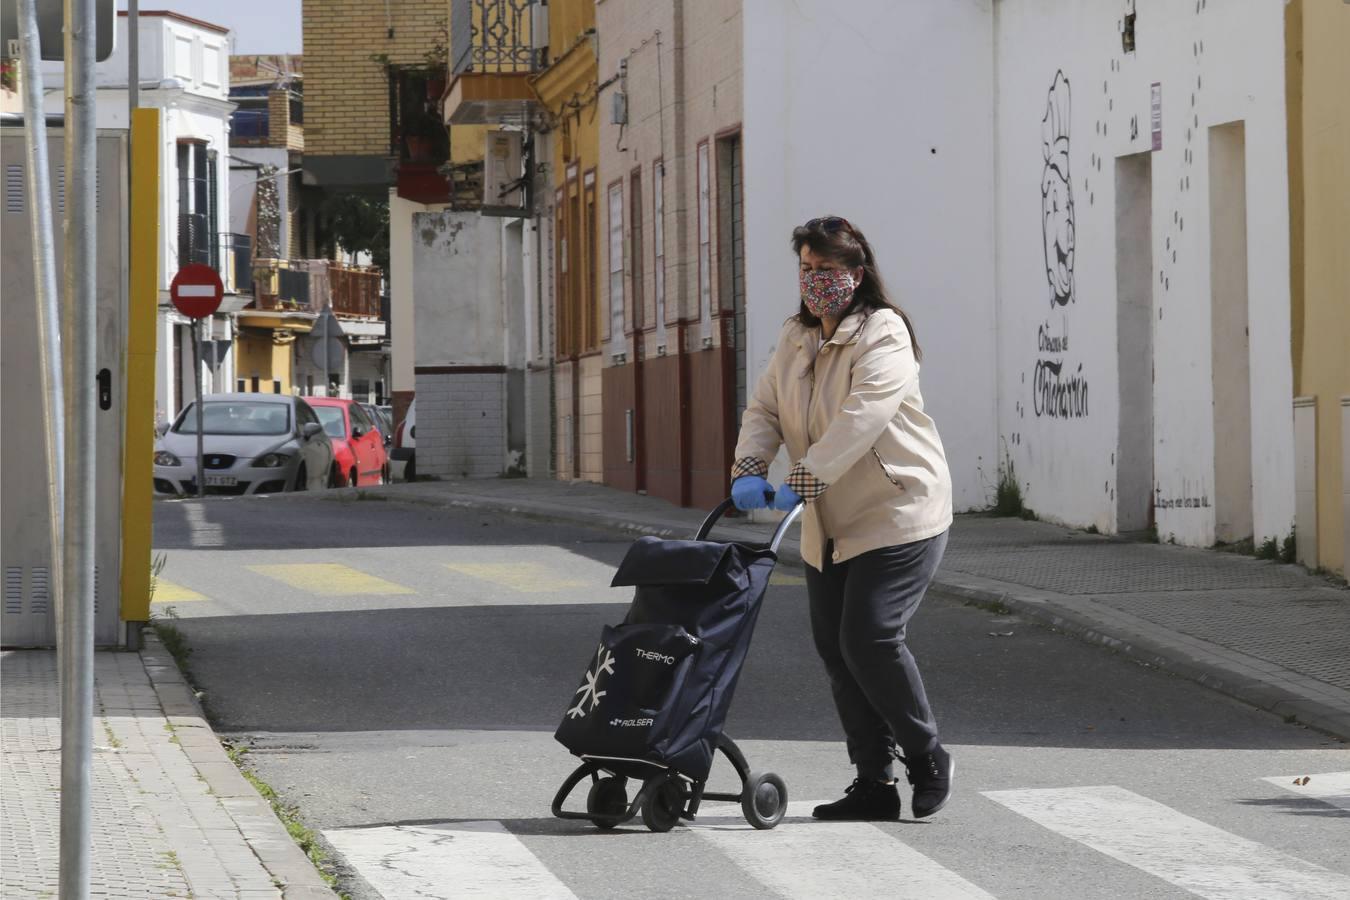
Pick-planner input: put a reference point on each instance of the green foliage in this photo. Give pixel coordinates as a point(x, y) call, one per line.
point(1008, 494)
point(1093, 529)
point(358, 223)
point(1269, 549)
point(1289, 549)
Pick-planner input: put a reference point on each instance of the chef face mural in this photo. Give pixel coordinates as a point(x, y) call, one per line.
point(1057, 193)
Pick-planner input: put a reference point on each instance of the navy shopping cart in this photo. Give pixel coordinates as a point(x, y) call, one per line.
point(656, 694)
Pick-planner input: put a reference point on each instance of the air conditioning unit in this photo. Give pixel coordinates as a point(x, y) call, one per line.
point(539, 25)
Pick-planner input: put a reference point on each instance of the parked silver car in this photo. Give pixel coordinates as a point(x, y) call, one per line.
point(253, 444)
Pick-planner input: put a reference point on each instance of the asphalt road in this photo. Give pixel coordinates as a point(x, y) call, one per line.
point(398, 672)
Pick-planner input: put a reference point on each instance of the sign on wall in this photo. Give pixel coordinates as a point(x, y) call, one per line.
point(1155, 115)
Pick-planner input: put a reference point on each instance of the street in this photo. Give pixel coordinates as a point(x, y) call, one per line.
point(397, 672)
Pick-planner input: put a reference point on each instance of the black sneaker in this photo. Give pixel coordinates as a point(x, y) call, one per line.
point(931, 774)
point(865, 800)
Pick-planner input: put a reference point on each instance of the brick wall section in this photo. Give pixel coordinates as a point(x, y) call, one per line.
point(346, 92)
point(280, 131)
point(461, 424)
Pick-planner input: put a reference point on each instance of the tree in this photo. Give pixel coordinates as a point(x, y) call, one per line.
point(358, 223)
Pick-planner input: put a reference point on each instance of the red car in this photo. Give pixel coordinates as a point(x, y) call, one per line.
point(358, 447)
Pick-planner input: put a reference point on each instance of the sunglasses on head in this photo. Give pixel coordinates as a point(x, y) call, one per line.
point(830, 224)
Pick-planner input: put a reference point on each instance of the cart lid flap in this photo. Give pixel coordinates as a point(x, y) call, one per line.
point(653, 560)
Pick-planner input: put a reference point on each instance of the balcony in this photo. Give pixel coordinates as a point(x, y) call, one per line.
point(229, 254)
point(495, 47)
point(418, 138)
point(306, 286)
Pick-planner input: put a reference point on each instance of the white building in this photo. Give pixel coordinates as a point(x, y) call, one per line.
point(1084, 207)
point(184, 71)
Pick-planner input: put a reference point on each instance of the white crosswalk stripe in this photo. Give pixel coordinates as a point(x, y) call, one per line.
point(1170, 845)
point(1330, 787)
point(809, 859)
point(472, 859)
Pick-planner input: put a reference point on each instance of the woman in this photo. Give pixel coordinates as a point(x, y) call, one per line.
point(842, 393)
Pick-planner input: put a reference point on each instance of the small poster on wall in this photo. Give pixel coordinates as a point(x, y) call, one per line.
point(1155, 115)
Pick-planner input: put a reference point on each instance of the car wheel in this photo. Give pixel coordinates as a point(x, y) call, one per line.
point(384, 474)
point(333, 477)
point(301, 480)
point(351, 479)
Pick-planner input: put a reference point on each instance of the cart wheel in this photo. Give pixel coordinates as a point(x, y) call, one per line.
point(661, 811)
point(608, 797)
point(764, 800)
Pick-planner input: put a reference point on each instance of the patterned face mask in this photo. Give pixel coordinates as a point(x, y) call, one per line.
point(827, 292)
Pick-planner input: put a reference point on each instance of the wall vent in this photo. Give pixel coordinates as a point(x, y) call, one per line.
point(39, 590)
point(13, 590)
point(14, 189)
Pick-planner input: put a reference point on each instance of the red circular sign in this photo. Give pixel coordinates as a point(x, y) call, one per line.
point(196, 291)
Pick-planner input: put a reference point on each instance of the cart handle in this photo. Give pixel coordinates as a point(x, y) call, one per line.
point(728, 503)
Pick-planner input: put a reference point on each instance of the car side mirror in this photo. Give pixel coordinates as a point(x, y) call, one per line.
point(309, 429)
point(389, 440)
point(161, 429)
point(358, 431)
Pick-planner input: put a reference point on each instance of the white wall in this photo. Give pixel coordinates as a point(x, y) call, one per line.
point(244, 187)
point(881, 111)
point(457, 290)
point(1216, 63)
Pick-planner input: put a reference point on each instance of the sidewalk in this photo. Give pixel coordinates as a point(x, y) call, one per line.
point(172, 816)
point(1268, 634)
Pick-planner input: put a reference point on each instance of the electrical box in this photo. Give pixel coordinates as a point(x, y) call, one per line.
point(29, 614)
point(618, 113)
point(503, 174)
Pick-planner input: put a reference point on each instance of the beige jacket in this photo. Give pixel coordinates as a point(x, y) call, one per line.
point(866, 457)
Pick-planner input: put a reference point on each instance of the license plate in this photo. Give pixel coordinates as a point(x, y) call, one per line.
point(221, 481)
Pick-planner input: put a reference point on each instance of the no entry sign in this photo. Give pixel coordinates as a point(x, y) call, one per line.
point(196, 291)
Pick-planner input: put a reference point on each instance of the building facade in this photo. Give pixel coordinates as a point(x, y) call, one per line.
point(184, 72)
point(1319, 179)
point(1086, 210)
point(374, 75)
point(672, 274)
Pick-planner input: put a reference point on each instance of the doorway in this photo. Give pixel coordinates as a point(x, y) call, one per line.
point(1134, 341)
point(1230, 357)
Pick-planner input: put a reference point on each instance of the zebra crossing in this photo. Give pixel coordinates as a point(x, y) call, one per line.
point(801, 858)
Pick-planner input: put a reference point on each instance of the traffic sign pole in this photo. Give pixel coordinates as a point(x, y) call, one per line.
point(196, 292)
point(197, 372)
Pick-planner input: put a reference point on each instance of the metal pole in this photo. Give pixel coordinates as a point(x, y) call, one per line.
point(133, 55)
point(80, 302)
point(326, 367)
point(44, 267)
point(197, 379)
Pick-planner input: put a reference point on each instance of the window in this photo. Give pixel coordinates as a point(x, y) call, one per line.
point(704, 243)
point(239, 385)
point(197, 199)
point(659, 249)
point(590, 306)
point(255, 380)
point(332, 420)
point(616, 268)
point(235, 417)
point(276, 385)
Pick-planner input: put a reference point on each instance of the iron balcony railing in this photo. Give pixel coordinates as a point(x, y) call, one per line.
point(308, 285)
point(493, 36)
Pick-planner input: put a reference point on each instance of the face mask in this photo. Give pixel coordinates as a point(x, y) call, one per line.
point(827, 292)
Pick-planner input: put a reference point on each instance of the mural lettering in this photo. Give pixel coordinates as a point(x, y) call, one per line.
point(1055, 391)
point(1057, 395)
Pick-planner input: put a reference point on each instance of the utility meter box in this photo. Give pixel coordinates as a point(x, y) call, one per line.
point(29, 614)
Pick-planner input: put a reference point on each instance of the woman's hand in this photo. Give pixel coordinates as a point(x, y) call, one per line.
point(785, 498)
point(750, 492)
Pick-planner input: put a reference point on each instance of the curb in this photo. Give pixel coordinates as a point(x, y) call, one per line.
point(252, 815)
point(1227, 671)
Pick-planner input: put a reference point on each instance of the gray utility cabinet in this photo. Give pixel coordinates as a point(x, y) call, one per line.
point(29, 618)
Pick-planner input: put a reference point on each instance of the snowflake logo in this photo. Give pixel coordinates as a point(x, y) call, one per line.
point(604, 664)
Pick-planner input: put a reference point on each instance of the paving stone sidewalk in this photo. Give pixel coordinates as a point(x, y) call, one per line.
point(1272, 635)
point(172, 816)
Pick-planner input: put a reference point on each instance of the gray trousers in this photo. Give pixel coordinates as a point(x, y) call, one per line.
point(859, 613)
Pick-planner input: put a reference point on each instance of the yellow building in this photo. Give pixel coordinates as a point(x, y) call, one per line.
point(1318, 34)
point(568, 89)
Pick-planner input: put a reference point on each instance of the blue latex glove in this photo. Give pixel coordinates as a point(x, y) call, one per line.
point(785, 498)
point(750, 492)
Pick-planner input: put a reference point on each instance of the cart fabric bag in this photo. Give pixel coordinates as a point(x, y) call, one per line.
point(659, 685)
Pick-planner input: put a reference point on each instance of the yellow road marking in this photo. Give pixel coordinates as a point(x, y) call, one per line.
point(169, 592)
point(525, 577)
point(786, 580)
point(330, 579)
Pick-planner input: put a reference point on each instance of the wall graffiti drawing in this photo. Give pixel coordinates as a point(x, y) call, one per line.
point(1059, 391)
point(1057, 224)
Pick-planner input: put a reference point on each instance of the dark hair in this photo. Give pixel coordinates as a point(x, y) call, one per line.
point(839, 241)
